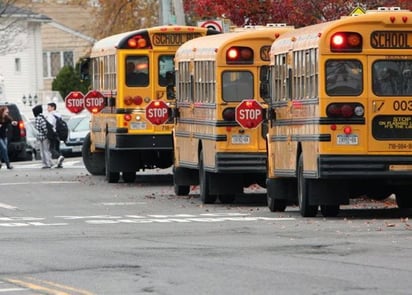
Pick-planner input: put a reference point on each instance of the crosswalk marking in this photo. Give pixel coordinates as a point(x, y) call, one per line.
point(38, 164)
point(137, 219)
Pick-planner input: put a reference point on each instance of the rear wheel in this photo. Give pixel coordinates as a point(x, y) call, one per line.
point(181, 190)
point(204, 182)
point(306, 210)
point(129, 177)
point(404, 198)
point(276, 205)
point(329, 210)
point(94, 162)
point(111, 177)
point(227, 199)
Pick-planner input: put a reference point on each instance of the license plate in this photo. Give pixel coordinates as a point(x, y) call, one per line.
point(344, 139)
point(138, 125)
point(77, 148)
point(240, 139)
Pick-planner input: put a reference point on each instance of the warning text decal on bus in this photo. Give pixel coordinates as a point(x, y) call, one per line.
point(173, 39)
point(391, 40)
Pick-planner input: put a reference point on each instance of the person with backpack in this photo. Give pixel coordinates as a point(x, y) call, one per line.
point(55, 119)
point(40, 123)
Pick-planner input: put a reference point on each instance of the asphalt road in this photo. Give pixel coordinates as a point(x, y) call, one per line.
point(63, 231)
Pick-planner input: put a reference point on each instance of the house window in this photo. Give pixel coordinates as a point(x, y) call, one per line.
point(17, 65)
point(54, 61)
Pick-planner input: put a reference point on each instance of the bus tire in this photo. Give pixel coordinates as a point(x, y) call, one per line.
point(129, 177)
point(227, 199)
point(306, 210)
point(181, 190)
point(276, 205)
point(329, 210)
point(403, 198)
point(111, 177)
point(94, 162)
point(204, 182)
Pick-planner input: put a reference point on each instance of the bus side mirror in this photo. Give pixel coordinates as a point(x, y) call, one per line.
point(264, 83)
point(111, 101)
point(170, 78)
point(174, 113)
point(170, 88)
point(170, 92)
point(264, 90)
point(84, 69)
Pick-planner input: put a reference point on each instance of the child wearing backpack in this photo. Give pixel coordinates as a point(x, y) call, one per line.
point(55, 119)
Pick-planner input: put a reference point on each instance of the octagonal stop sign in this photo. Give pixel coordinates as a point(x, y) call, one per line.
point(157, 112)
point(74, 102)
point(249, 113)
point(94, 101)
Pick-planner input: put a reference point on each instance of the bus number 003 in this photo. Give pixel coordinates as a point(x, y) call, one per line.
point(402, 105)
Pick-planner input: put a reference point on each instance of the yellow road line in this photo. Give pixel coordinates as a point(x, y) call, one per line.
point(41, 286)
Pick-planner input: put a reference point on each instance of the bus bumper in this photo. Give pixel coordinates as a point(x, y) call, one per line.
point(343, 166)
point(240, 163)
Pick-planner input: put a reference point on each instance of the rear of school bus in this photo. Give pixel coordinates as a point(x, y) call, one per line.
point(354, 138)
point(133, 132)
point(214, 75)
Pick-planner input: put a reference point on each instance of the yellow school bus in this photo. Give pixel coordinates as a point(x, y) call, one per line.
point(133, 131)
point(217, 78)
point(339, 115)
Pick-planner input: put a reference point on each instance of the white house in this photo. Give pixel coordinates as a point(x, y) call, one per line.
point(21, 54)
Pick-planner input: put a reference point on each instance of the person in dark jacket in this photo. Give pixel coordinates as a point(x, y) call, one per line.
point(41, 127)
point(5, 121)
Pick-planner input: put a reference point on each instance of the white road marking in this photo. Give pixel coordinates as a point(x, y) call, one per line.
point(13, 290)
point(5, 206)
point(36, 182)
point(138, 219)
point(66, 164)
point(123, 203)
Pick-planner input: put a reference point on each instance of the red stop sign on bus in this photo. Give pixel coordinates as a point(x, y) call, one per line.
point(157, 112)
point(74, 102)
point(249, 113)
point(94, 101)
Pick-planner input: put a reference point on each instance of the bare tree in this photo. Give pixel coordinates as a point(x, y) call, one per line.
point(11, 26)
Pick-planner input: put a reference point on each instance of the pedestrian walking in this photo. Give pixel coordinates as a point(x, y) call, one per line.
point(40, 124)
point(5, 123)
point(52, 116)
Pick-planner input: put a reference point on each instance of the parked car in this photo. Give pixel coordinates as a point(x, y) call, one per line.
point(78, 129)
point(17, 140)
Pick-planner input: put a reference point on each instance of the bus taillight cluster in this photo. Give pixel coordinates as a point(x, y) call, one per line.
point(228, 114)
point(137, 41)
point(346, 42)
point(137, 100)
point(239, 55)
point(345, 110)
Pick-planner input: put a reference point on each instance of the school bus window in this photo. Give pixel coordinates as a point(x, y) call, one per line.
point(392, 77)
point(279, 77)
point(343, 77)
point(137, 68)
point(95, 73)
point(165, 66)
point(237, 85)
point(109, 72)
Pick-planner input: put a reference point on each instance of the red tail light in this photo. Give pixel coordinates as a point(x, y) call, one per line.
point(239, 55)
point(22, 128)
point(137, 100)
point(127, 117)
point(345, 110)
point(346, 42)
point(229, 114)
point(128, 100)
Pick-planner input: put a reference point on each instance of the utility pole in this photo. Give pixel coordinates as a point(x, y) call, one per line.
point(171, 12)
